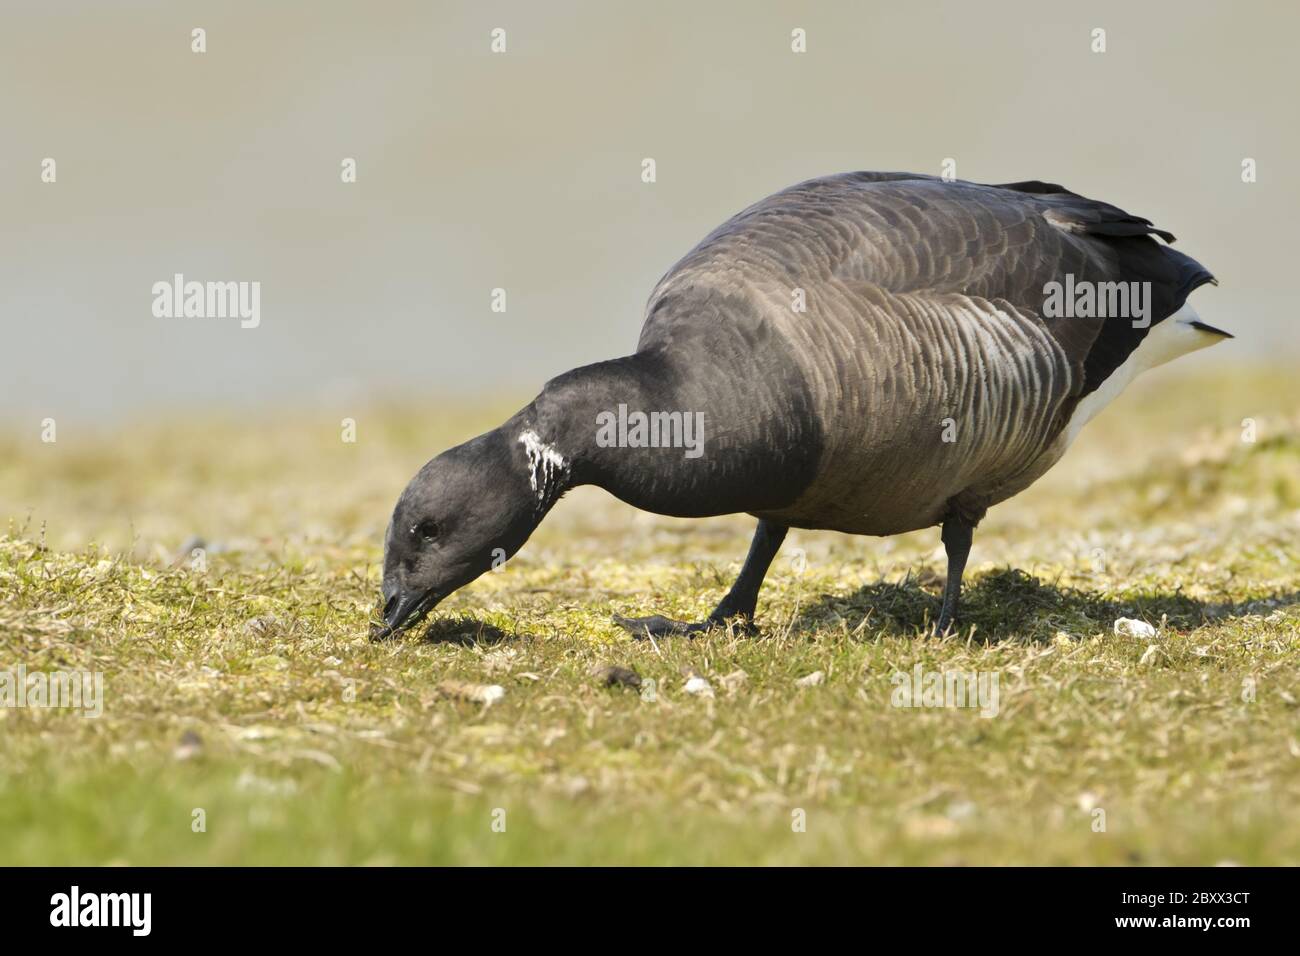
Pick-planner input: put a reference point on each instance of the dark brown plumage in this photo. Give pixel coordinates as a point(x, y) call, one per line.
point(871, 353)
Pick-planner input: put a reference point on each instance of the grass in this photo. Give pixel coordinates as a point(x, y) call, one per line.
point(247, 688)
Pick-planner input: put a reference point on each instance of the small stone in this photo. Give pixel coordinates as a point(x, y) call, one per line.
point(699, 687)
point(611, 675)
point(191, 746)
point(960, 810)
point(811, 680)
point(262, 625)
point(1130, 627)
point(485, 694)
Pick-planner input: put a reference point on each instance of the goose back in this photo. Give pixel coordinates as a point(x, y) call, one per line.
point(912, 311)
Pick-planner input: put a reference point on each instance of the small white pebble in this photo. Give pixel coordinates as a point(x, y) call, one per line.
point(961, 810)
point(486, 694)
point(1134, 628)
point(810, 680)
point(699, 687)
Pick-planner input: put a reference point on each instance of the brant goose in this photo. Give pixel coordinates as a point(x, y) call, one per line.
point(871, 353)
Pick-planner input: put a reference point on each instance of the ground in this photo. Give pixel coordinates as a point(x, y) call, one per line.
point(246, 717)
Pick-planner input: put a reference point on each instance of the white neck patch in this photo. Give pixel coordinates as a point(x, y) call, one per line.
point(544, 462)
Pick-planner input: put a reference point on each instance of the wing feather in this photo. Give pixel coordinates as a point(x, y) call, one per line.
point(920, 235)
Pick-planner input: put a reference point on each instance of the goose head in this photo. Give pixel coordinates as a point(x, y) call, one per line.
point(465, 512)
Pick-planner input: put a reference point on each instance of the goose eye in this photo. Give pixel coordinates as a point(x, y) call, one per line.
point(426, 530)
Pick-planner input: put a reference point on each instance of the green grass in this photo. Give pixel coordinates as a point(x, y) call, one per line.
point(316, 746)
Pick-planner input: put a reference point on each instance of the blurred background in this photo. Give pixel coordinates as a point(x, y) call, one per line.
point(522, 170)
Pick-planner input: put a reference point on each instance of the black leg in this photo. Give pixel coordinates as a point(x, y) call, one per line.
point(956, 541)
point(739, 602)
point(743, 596)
